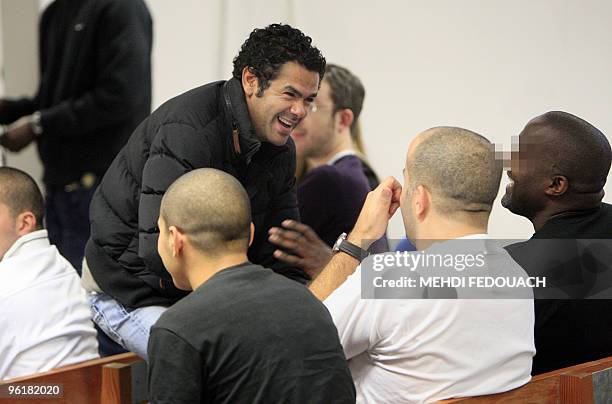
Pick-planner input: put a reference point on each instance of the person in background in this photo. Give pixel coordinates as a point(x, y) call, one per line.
point(95, 88)
point(333, 174)
point(334, 184)
point(45, 320)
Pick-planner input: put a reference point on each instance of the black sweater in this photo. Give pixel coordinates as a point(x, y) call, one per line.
point(574, 252)
point(248, 335)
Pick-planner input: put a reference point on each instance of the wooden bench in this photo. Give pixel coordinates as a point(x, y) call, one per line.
point(589, 382)
point(119, 379)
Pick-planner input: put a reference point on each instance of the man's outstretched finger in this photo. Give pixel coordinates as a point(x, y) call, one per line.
point(287, 234)
point(288, 258)
point(301, 228)
point(282, 241)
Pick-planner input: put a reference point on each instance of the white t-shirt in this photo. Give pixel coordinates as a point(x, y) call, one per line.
point(413, 351)
point(45, 321)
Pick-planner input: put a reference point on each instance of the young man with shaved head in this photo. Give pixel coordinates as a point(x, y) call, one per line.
point(241, 126)
point(45, 321)
point(422, 350)
point(245, 334)
point(557, 179)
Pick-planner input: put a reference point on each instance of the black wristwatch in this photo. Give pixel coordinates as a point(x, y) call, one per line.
point(342, 244)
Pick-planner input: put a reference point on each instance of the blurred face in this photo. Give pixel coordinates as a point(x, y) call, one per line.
point(165, 248)
point(315, 135)
point(8, 229)
point(283, 104)
point(525, 193)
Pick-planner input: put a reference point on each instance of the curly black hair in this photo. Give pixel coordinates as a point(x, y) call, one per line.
point(267, 49)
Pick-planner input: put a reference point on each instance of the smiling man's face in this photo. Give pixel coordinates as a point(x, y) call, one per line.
point(283, 105)
point(525, 194)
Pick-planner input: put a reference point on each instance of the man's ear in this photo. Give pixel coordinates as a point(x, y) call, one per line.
point(252, 236)
point(25, 223)
point(421, 202)
point(345, 118)
point(559, 184)
point(177, 241)
point(250, 82)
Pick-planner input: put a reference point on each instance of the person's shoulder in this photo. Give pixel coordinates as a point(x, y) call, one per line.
point(183, 313)
point(607, 210)
point(196, 108)
point(337, 175)
point(121, 6)
point(255, 279)
point(324, 175)
point(200, 99)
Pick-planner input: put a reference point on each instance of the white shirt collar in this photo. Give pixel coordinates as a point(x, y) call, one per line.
point(36, 239)
point(340, 155)
point(474, 237)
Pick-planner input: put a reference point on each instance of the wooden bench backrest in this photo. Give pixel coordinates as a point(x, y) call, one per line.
point(119, 379)
point(589, 382)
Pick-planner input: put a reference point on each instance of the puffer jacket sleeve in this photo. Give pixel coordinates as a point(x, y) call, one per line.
point(177, 148)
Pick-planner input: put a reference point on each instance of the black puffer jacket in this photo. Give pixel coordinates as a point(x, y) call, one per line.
point(193, 130)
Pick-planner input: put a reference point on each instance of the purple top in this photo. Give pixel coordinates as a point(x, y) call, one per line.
point(330, 198)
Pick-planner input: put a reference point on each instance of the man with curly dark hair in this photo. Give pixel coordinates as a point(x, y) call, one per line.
point(241, 126)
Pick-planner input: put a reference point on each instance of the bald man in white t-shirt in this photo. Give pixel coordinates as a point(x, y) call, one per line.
point(421, 350)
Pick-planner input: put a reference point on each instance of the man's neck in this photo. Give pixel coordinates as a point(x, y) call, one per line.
point(549, 213)
point(204, 267)
point(346, 144)
point(447, 230)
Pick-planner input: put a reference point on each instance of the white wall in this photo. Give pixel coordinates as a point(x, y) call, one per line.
point(19, 37)
point(487, 65)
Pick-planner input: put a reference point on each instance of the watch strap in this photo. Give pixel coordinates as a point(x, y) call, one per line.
point(353, 250)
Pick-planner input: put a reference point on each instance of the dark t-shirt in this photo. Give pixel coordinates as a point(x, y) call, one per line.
point(248, 335)
point(571, 331)
point(330, 198)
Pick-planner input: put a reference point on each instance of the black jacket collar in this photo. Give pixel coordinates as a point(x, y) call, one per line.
point(238, 113)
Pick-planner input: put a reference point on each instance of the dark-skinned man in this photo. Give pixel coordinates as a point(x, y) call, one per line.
point(558, 175)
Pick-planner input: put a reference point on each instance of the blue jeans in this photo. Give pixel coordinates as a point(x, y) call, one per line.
point(67, 221)
point(129, 328)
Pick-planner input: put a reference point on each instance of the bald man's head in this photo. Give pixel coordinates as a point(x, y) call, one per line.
point(563, 160)
point(212, 208)
point(20, 193)
point(21, 207)
point(457, 166)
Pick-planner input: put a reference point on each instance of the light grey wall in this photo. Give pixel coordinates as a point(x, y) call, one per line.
point(19, 36)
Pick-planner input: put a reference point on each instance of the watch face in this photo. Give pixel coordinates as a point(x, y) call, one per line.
point(339, 241)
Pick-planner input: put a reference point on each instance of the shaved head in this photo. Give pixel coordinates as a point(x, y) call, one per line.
point(20, 193)
point(562, 161)
point(212, 208)
point(457, 166)
point(572, 147)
